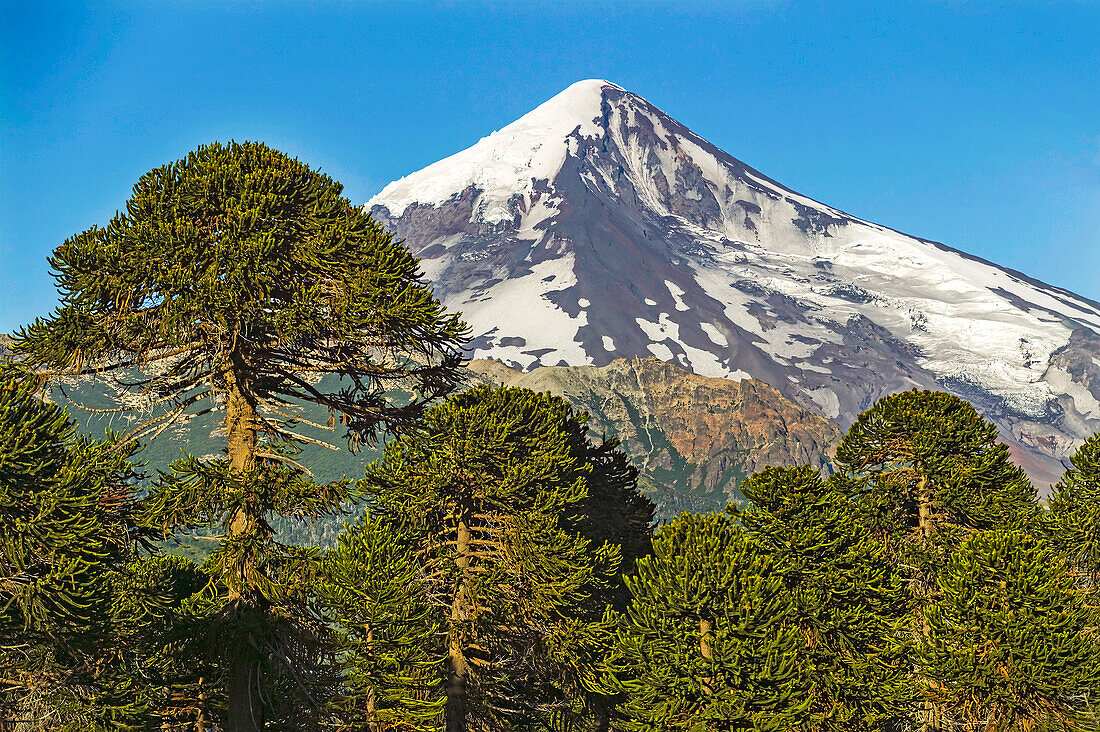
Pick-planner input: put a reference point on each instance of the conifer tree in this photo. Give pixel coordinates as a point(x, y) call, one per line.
point(516, 523)
point(1075, 512)
point(153, 631)
point(928, 471)
point(66, 533)
point(926, 463)
point(709, 641)
point(240, 281)
point(387, 632)
point(1010, 642)
point(848, 602)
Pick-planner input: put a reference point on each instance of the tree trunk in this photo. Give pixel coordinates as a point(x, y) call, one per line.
point(240, 424)
point(372, 707)
point(924, 510)
point(929, 713)
point(458, 668)
point(200, 722)
point(706, 638)
point(246, 713)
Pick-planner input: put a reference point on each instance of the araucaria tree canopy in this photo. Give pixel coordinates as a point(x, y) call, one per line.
point(518, 525)
point(239, 280)
point(237, 272)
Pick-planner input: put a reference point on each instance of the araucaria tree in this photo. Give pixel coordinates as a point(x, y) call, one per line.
point(388, 632)
point(1075, 513)
point(81, 617)
point(239, 280)
point(1011, 641)
point(848, 601)
point(516, 523)
point(928, 471)
point(927, 463)
point(63, 505)
point(709, 641)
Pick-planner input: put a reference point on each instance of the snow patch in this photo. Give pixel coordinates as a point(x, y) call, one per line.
point(1083, 400)
point(699, 361)
point(677, 295)
point(705, 363)
point(783, 340)
point(714, 334)
point(661, 351)
point(433, 267)
point(827, 400)
point(660, 330)
point(519, 308)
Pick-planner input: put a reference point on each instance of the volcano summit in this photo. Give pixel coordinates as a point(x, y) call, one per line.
point(596, 227)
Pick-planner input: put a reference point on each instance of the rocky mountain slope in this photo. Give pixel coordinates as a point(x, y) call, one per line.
point(596, 228)
point(694, 438)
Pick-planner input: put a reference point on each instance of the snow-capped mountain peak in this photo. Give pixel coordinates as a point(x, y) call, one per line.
point(598, 227)
point(509, 160)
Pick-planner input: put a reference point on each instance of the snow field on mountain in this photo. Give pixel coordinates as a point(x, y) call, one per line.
point(966, 331)
point(969, 332)
point(518, 308)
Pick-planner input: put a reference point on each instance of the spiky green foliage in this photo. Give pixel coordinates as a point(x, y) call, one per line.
point(58, 494)
point(66, 533)
point(709, 640)
point(927, 471)
point(1075, 512)
point(253, 617)
point(849, 603)
point(516, 522)
point(388, 632)
point(927, 462)
point(239, 267)
point(232, 282)
point(1010, 641)
point(153, 638)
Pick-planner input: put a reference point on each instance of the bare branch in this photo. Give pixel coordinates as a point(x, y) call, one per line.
point(139, 360)
point(295, 418)
point(170, 415)
point(310, 440)
point(285, 459)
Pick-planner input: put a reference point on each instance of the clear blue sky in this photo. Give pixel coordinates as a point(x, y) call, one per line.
point(973, 123)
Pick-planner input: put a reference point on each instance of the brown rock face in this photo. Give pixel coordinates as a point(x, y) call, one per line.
point(694, 438)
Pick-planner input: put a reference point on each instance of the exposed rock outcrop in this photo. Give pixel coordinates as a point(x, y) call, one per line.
point(695, 438)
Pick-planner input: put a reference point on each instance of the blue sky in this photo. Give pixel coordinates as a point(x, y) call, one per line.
point(972, 123)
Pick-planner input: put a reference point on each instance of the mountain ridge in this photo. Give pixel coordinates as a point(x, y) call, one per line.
point(690, 458)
